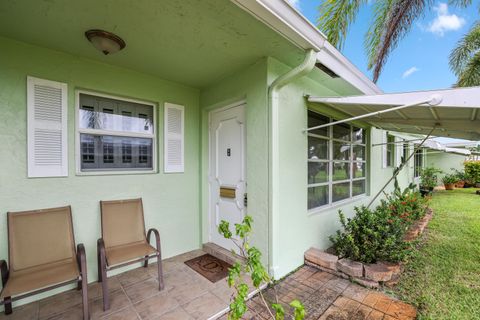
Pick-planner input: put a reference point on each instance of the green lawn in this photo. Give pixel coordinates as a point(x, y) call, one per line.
point(443, 277)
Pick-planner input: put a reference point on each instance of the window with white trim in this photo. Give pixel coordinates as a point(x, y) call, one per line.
point(115, 134)
point(418, 162)
point(390, 150)
point(336, 162)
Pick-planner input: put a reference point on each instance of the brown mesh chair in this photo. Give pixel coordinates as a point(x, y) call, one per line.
point(124, 241)
point(42, 256)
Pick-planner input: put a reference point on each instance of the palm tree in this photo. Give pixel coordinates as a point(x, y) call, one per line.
point(465, 58)
point(392, 20)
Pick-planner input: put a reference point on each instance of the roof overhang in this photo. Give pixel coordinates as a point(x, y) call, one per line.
point(450, 113)
point(290, 23)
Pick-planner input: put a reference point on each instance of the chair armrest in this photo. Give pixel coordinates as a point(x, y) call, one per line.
point(4, 271)
point(100, 246)
point(82, 260)
point(157, 238)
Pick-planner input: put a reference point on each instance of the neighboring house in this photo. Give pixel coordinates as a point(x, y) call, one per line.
point(204, 111)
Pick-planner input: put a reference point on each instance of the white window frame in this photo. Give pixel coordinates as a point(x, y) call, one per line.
point(331, 161)
point(415, 171)
point(115, 171)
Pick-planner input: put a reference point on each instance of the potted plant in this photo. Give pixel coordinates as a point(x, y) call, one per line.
point(449, 181)
point(461, 177)
point(428, 180)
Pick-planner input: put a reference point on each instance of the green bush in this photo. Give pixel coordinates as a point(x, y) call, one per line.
point(472, 171)
point(377, 235)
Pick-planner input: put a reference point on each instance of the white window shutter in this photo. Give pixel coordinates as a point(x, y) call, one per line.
point(47, 128)
point(174, 142)
point(384, 149)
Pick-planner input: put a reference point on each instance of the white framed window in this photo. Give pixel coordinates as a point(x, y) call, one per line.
point(336, 162)
point(114, 135)
point(418, 162)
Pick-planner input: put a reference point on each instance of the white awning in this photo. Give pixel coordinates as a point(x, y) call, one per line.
point(452, 112)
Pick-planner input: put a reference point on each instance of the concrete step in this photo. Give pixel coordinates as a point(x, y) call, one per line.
point(221, 253)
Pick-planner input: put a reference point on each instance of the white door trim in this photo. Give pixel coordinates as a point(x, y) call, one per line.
point(210, 176)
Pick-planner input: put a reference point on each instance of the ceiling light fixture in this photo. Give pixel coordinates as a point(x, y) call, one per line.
point(105, 41)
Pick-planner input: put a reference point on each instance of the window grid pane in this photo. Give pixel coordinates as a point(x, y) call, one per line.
point(342, 173)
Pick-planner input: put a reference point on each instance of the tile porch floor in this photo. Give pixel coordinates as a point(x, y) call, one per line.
point(134, 295)
point(187, 295)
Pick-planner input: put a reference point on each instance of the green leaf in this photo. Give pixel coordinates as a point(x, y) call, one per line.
point(224, 229)
point(279, 311)
point(299, 310)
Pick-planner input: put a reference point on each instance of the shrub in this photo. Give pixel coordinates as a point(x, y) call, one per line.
point(370, 236)
point(472, 171)
point(407, 205)
point(377, 235)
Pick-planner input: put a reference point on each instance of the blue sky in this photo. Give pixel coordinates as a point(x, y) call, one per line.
point(420, 62)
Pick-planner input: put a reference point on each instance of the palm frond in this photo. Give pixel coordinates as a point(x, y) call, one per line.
point(336, 17)
point(396, 19)
point(460, 3)
point(466, 48)
point(470, 77)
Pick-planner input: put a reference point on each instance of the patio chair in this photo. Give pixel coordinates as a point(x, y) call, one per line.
point(42, 256)
point(124, 241)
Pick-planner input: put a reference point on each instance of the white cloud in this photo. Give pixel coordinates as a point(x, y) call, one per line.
point(409, 72)
point(295, 3)
point(444, 21)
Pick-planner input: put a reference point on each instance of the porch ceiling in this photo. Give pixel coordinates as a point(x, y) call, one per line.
point(191, 42)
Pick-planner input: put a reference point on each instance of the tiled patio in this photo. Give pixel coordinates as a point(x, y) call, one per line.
point(188, 295)
point(135, 295)
point(328, 297)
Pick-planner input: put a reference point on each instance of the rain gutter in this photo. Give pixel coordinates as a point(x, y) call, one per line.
point(273, 169)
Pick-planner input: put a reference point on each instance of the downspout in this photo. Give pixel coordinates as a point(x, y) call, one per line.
point(273, 169)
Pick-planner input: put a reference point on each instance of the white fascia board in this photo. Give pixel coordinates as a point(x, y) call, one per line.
point(291, 24)
point(287, 21)
point(457, 97)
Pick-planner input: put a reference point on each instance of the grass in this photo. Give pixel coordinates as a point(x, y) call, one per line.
point(442, 278)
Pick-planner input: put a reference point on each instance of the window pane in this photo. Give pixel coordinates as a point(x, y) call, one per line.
point(358, 153)
point(111, 152)
point(315, 119)
point(340, 191)
point(358, 135)
point(317, 148)
point(317, 172)
point(114, 115)
point(358, 187)
point(317, 196)
point(358, 169)
point(341, 151)
point(341, 171)
point(342, 132)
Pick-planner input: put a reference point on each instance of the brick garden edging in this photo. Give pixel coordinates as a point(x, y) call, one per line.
point(367, 275)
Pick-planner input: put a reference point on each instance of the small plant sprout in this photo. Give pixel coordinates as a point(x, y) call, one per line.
point(253, 267)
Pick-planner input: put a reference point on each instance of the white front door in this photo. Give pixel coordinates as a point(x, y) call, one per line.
point(227, 175)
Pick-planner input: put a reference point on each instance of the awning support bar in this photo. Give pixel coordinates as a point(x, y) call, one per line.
point(398, 142)
point(397, 170)
point(375, 113)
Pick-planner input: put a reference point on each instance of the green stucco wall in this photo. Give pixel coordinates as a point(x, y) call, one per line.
point(250, 85)
point(164, 195)
point(295, 228)
point(445, 162)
